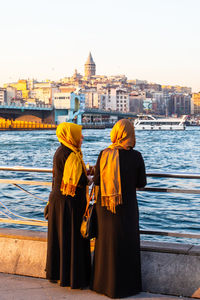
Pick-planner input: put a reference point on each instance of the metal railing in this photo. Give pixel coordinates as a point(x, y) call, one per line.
point(34, 222)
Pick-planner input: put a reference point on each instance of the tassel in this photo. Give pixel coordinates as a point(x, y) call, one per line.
point(110, 202)
point(68, 189)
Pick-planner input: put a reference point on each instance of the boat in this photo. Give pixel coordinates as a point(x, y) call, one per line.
point(148, 122)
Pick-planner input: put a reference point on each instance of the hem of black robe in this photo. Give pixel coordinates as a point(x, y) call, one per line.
point(81, 286)
point(75, 286)
point(114, 296)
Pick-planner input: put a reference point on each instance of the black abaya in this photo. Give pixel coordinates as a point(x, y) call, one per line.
point(117, 268)
point(68, 254)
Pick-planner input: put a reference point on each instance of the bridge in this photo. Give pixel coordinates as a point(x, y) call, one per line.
point(120, 114)
point(47, 113)
point(15, 111)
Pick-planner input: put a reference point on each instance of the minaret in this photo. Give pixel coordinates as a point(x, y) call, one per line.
point(90, 67)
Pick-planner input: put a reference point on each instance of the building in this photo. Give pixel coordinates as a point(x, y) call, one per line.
point(24, 90)
point(91, 98)
point(44, 91)
point(179, 104)
point(195, 104)
point(148, 106)
point(10, 94)
point(67, 107)
point(90, 67)
point(30, 84)
point(62, 100)
point(122, 97)
point(21, 85)
point(177, 89)
point(160, 103)
point(42, 95)
point(75, 79)
point(136, 100)
point(76, 76)
point(2, 96)
point(115, 98)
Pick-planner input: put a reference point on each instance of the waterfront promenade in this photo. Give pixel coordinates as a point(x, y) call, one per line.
point(14, 287)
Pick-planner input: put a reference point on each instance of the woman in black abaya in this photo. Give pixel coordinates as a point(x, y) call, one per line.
point(119, 171)
point(68, 254)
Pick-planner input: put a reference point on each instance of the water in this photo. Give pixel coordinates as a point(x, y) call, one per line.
point(168, 151)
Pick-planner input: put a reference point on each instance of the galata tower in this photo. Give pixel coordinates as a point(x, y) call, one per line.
point(90, 67)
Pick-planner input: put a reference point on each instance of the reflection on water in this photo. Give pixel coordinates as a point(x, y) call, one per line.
point(169, 151)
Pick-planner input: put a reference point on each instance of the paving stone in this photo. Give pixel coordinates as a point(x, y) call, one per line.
point(14, 287)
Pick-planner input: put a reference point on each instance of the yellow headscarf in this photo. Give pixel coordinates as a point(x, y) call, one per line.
point(122, 137)
point(69, 134)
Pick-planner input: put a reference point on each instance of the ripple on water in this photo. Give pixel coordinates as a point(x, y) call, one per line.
point(162, 151)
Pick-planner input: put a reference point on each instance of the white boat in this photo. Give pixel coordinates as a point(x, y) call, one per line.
point(148, 122)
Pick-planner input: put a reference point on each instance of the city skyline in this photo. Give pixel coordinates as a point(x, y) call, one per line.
point(151, 40)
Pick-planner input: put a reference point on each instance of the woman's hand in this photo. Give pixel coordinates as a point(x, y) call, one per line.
point(90, 169)
point(89, 179)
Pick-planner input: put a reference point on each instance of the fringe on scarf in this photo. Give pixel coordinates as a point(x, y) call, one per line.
point(111, 202)
point(68, 189)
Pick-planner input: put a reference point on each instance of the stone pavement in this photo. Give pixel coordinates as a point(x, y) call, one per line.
point(14, 287)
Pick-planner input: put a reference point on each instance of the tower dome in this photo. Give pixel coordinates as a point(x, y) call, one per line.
point(90, 67)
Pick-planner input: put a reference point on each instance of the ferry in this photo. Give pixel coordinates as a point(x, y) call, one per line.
point(148, 122)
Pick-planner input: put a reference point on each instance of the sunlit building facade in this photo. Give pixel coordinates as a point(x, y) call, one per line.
point(21, 85)
point(116, 99)
point(195, 104)
point(2, 96)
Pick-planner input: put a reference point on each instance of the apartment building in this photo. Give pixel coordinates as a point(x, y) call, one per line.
point(159, 101)
point(10, 94)
point(91, 98)
point(62, 100)
point(122, 100)
point(21, 85)
point(179, 104)
point(116, 99)
point(136, 100)
point(2, 96)
point(69, 101)
point(176, 89)
point(195, 104)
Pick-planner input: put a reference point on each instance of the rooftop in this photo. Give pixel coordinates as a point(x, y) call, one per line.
point(90, 60)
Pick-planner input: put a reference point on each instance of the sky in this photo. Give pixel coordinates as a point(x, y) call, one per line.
point(153, 40)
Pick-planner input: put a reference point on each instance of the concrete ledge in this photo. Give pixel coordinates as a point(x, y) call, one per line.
point(166, 247)
point(167, 268)
point(171, 273)
point(23, 234)
point(23, 252)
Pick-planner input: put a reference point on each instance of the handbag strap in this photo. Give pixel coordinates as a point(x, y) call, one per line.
point(90, 198)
